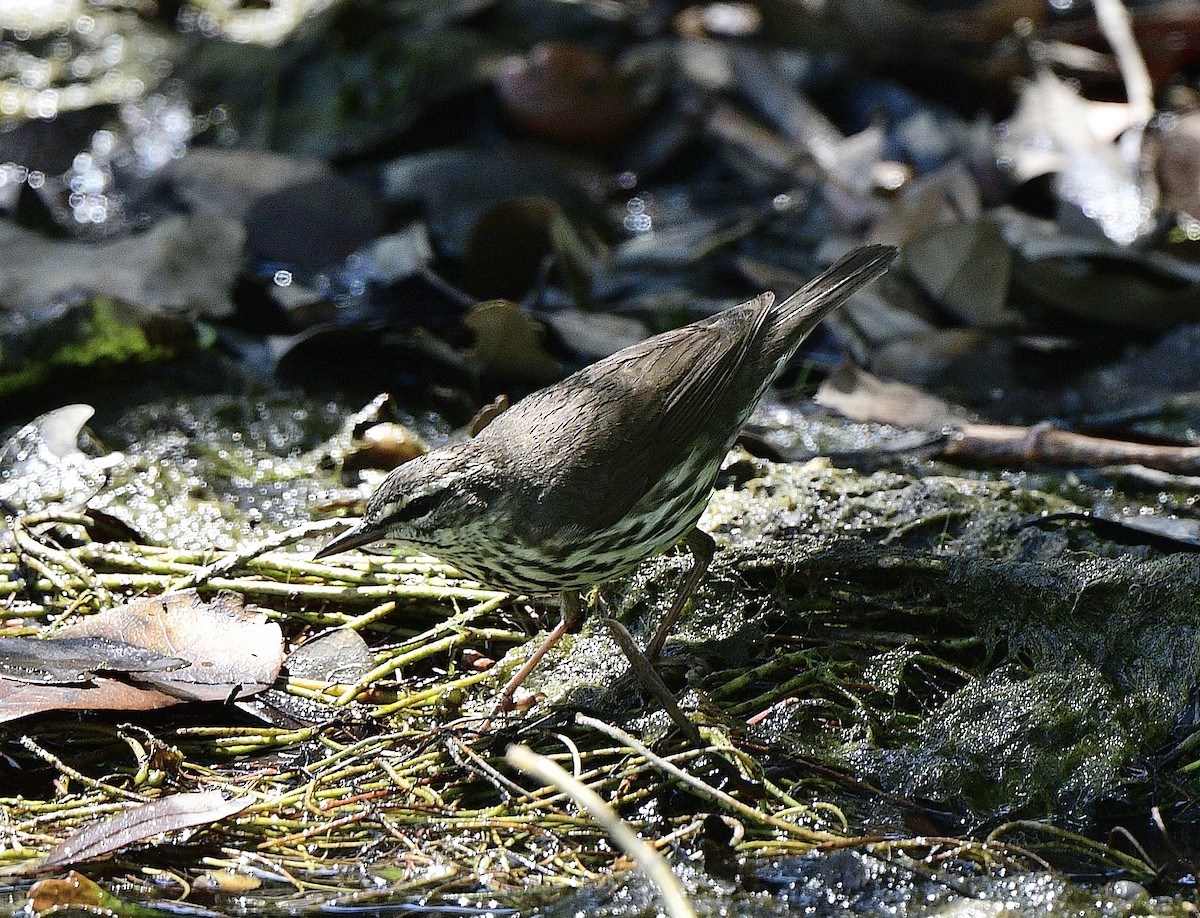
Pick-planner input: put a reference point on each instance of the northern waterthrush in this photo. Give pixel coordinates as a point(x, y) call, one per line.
point(581, 481)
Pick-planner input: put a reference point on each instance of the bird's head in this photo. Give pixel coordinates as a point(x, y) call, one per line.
point(430, 502)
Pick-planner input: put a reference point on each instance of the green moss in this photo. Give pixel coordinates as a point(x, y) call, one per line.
point(26, 377)
point(111, 341)
point(101, 338)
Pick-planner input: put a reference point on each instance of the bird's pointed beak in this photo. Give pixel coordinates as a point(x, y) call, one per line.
point(356, 536)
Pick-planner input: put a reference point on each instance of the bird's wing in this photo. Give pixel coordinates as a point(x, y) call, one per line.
point(620, 424)
point(704, 358)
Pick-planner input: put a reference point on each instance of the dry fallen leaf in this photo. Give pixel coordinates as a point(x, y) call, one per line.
point(568, 93)
point(1100, 282)
point(74, 892)
point(1055, 130)
point(230, 653)
point(513, 242)
point(20, 699)
point(854, 393)
point(509, 344)
point(337, 657)
point(61, 661)
point(179, 811)
point(966, 268)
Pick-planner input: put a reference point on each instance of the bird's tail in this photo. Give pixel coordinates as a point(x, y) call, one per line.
point(799, 313)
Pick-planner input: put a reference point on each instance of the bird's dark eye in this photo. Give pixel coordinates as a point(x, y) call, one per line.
point(416, 508)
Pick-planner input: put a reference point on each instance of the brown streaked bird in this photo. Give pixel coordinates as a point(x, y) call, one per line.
point(581, 481)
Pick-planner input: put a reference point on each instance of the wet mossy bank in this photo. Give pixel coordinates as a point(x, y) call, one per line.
point(920, 636)
point(896, 660)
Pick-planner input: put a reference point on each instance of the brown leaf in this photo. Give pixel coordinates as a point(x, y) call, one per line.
point(74, 892)
point(232, 652)
point(20, 699)
point(595, 334)
point(509, 344)
point(949, 195)
point(340, 656)
point(512, 241)
point(66, 660)
point(965, 267)
point(179, 811)
point(569, 93)
point(1179, 161)
point(1101, 283)
point(856, 394)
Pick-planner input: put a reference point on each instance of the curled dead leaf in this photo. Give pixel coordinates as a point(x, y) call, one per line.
point(228, 653)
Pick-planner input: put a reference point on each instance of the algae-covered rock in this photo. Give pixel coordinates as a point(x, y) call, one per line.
point(917, 635)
